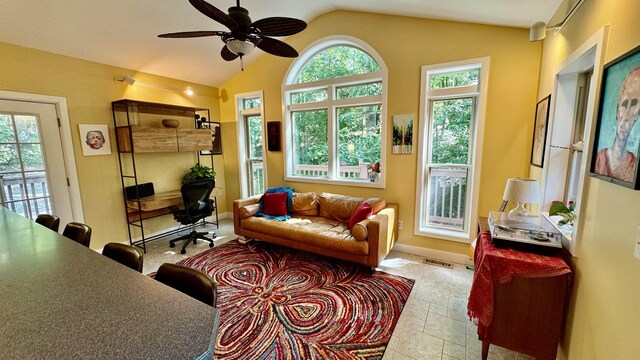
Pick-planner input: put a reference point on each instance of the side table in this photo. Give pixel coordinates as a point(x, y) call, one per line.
point(518, 298)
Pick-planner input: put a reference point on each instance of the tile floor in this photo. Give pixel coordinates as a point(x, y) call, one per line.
point(434, 322)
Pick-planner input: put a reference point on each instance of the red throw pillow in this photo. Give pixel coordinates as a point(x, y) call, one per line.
point(362, 212)
point(275, 204)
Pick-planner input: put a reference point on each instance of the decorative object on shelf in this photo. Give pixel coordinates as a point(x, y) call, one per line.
point(198, 172)
point(521, 191)
point(540, 132)
point(617, 138)
point(216, 136)
point(374, 171)
point(402, 134)
point(273, 135)
point(94, 139)
point(170, 123)
point(566, 212)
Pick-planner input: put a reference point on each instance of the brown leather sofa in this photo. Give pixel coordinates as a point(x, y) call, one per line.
point(319, 224)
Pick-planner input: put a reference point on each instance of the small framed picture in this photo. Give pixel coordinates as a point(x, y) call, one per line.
point(540, 132)
point(94, 139)
point(216, 138)
point(617, 137)
point(402, 134)
point(273, 135)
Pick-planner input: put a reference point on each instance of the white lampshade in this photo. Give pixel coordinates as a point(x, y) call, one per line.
point(521, 191)
point(240, 47)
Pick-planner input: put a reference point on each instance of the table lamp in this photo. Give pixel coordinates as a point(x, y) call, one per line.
point(521, 191)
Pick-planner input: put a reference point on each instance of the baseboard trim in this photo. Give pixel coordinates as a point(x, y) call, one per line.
point(436, 254)
point(224, 215)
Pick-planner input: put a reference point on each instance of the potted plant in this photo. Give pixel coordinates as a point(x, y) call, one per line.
point(198, 172)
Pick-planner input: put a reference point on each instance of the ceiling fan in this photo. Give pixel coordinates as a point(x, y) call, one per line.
point(245, 35)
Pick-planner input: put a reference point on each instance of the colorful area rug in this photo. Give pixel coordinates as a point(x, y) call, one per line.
point(278, 303)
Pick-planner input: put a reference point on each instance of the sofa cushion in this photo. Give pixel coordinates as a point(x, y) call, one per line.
point(377, 204)
point(248, 211)
point(360, 231)
point(338, 207)
point(313, 231)
point(275, 204)
point(362, 212)
point(304, 204)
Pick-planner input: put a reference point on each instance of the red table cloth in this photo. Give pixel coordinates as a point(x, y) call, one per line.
point(494, 266)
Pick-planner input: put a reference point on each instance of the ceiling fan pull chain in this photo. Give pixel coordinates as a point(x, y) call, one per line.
point(241, 61)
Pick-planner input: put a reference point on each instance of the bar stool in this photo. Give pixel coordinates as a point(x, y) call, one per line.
point(78, 232)
point(49, 221)
point(192, 282)
point(126, 255)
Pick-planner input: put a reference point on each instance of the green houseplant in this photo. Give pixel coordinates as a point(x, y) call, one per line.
point(198, 172)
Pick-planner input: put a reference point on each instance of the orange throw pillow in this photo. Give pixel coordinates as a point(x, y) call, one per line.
point(362, 212)
point(275, 204)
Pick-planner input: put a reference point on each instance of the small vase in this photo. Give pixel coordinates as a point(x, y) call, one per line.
point(373, 176)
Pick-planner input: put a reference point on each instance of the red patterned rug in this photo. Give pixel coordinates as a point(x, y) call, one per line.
point(279, 303)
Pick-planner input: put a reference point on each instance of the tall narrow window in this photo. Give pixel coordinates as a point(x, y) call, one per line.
point(334, 98)
point(23, 178)
point(251, 144)
point(449, 149)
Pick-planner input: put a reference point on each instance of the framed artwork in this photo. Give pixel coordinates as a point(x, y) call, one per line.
point(402, 134)
point(273, 135)
point(216, 137)
point(94, 139)
point(617, 137)
point(540, 132)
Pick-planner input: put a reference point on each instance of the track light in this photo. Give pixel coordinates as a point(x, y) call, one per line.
point(131, 81)
point(538, 31)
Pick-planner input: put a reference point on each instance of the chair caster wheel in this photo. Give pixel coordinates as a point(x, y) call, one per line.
point(210, 244)
point(194, 241)
point(172, 245)
point(183, 251)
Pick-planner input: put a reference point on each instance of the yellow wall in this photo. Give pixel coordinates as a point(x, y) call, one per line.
point(89, 89)
point(405, 44)
point(603, 321)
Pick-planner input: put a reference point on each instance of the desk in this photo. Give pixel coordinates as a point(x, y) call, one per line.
point(61, 300)
point(518, 298)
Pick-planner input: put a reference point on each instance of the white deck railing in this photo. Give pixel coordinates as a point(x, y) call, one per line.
point(447, 197)
point(351, 172)
point(15, 190)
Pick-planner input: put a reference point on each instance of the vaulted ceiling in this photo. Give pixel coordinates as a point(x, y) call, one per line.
point(124, 32)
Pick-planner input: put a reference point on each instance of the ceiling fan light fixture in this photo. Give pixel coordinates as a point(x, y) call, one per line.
point(240, 47)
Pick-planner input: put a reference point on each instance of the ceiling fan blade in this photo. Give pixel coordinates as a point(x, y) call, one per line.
point(227, 54)
point(214, 13)
point(192, 34)
point(279, 26)
point(277, 47)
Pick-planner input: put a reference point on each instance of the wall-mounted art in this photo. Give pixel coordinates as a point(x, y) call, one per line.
point(94, 139)
point(540, 132)
point(216, 137)
point(273, 135)
point(617, 137)
point(402, 134)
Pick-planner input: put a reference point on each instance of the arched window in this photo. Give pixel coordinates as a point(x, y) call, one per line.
point(334, 98)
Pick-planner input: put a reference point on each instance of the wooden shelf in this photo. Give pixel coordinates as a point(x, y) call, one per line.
point(155, 140)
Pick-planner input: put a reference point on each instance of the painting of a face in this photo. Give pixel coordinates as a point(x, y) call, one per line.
point(95, 139)
point(628, 103)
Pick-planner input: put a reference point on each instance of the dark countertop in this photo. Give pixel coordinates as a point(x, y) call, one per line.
point(59, 299)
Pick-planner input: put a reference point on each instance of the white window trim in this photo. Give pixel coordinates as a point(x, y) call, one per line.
point(287, 88)
point(573, 64)
point(476, 154)
point(242, 136)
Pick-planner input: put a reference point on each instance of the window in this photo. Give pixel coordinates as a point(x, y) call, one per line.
point(251, 144)
point(334, 109)
point(452, 103)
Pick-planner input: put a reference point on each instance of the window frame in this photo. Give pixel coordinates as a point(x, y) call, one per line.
point(477, 92)
point(242, 136)
point(332, 104)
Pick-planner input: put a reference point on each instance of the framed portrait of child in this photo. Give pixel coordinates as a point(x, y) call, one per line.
point(94, 139)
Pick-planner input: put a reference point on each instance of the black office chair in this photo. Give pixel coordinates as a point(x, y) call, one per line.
point(126, 255)
point(197, 206)
point(78, 232)
point(192, 282)
point(50, 221)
